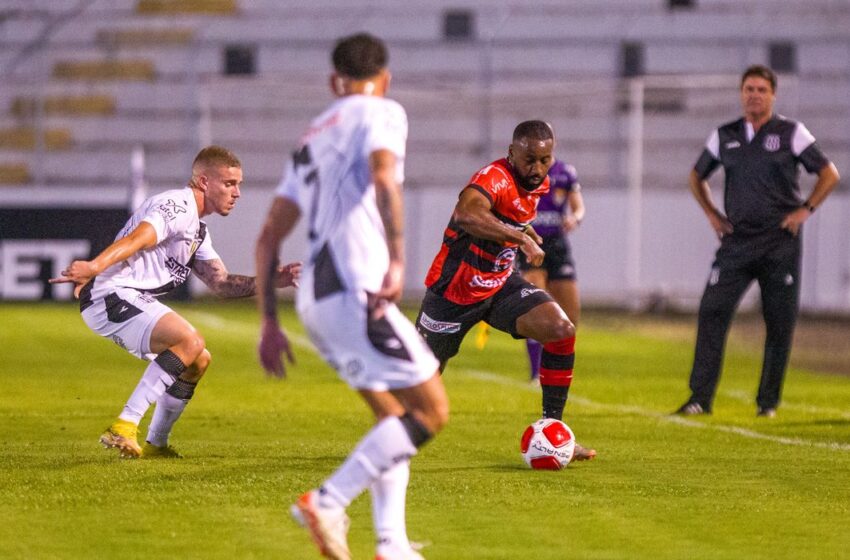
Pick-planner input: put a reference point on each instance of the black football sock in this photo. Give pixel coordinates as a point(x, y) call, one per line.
point(554, 400)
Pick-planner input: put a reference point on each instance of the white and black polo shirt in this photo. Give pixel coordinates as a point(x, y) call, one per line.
point(761, 169)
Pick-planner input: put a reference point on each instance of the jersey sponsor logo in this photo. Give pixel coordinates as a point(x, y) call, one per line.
point(315, 129)
point(495, 186)
point(179, 272)
point(441, 327)
point(170, 210)
point(479, 282)
point(499, 186)
point(732, 145)
point(525, 292)
point(550, 218)
point(119, 341)
point(504, 260)
point(771, 142)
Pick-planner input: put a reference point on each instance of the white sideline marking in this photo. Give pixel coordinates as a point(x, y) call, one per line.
point(640, 411)
point(742, 396)
point(249, 329)
point(243, 328)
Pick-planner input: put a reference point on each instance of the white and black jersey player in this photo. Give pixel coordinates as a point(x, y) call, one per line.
point(760, 234)
point(345, 180)
point(162, 243)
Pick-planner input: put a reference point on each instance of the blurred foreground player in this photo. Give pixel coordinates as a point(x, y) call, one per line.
point(345, 178)
point(472, 279)
point(161, 244)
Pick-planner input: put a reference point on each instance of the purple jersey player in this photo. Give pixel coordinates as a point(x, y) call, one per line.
point(559, 211)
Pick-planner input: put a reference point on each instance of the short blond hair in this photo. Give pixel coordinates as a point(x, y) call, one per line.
point(215, 156)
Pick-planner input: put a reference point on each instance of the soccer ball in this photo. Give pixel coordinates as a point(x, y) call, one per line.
point(548, 444)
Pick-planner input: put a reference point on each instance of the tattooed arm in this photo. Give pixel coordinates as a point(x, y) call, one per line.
point(223, 284)
point(215, 275)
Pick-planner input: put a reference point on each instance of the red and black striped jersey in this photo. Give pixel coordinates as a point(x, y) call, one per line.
point(469, 269)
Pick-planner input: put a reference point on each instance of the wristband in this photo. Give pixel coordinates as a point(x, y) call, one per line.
point(808, 206)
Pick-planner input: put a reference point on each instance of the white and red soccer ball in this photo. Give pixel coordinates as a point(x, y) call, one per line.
point(548, 444)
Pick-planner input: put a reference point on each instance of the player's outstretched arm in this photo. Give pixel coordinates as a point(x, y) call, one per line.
point(215, 275)
point(282, 217)
point(472, 213)
point(382, 164)
point(81, 272)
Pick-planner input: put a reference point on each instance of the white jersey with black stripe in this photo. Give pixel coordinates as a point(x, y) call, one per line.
point(328, 177)
point(180, 238)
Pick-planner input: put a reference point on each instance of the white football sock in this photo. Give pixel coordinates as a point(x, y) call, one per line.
point(154, 382)
point(389, 493)
point(168, 410)
point(381, 449)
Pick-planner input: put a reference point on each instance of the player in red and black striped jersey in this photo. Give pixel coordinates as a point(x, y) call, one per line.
point(472, 278)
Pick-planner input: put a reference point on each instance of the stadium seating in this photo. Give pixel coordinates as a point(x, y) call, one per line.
point(113, 75)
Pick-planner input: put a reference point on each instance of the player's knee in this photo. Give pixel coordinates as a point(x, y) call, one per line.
point(203, 361)
point(565, 329)
point(193, 346)
point(559, 330)
point(439, 416)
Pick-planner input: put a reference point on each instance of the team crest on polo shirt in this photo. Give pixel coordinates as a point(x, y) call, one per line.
point(771, 142)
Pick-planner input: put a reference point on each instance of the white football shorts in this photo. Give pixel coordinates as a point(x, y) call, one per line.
point(127, 317)
point(373, 354)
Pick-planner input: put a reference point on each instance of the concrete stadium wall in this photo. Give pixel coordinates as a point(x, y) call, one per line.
point(677, 247)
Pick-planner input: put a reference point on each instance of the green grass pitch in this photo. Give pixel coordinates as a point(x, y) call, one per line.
point(729, 486)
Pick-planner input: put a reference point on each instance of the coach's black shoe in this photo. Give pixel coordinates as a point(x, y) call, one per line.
point(691, 408)
point(766, 412)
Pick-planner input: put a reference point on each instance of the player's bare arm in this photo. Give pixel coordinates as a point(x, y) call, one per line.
point(382, 164)
point(828, 178)
point(577, 210)
point(223, 284)
point(702, 193)
point(282, 217)
point(81, 272)
point(473, 213)
point(214, 274)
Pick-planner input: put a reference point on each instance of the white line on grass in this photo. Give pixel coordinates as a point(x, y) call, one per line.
point(742, 396)
point(243, 328)
point(247, 329)
point(640, 411)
